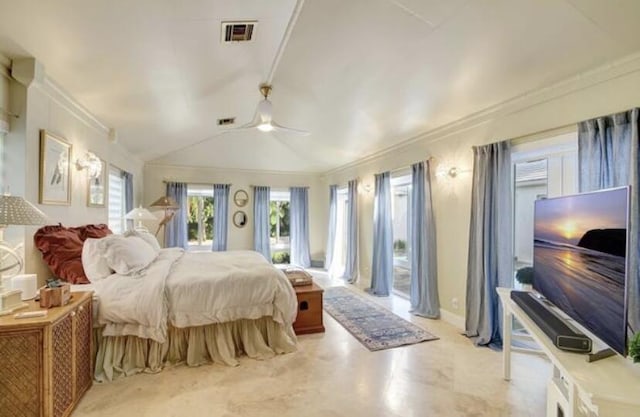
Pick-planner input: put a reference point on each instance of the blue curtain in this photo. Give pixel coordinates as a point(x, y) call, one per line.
point(333, 219)
point(490, 242)
point(128, 196)
point(220, 216)
point(424, 278)
point(299, 216)
point(175, 233)
point(608, 157)
point(382, 264)
point(351, 262)
point(261, 221)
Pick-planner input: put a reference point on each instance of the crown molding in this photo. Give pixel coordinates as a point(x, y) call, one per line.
point(66, 100)
point(232, 170)
point(583, 80)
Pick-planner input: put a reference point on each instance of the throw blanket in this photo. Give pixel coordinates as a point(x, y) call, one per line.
point(135, 305)
point(218, 287)
point(194, 289)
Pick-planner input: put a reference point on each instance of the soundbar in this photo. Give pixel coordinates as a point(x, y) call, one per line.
point(561, 334)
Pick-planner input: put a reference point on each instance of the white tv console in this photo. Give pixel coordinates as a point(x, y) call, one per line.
point(607, 388)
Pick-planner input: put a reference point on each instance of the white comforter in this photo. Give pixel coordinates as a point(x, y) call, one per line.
point(193, 289)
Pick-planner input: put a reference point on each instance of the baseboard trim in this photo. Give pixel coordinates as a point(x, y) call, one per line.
point(452, 318)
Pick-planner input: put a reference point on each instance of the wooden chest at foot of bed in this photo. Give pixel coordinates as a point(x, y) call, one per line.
point(309, 319)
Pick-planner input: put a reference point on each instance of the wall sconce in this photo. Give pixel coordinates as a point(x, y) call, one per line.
point(364, 188)
point(452, 172)
point(91, 163)
point(113, 135)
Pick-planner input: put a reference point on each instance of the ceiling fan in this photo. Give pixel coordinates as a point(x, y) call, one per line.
point(263, 120)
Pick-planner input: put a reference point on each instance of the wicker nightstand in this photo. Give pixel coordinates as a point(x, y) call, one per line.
point(46, 362)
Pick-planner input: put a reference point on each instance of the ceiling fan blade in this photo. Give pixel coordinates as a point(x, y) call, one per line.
point(281, 128)
point(248, 126)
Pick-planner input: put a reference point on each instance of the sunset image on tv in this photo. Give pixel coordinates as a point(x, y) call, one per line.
point(580, 259)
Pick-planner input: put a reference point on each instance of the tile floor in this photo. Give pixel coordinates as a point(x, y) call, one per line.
point(333, 375)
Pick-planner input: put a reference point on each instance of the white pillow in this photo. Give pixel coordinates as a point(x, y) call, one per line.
point(127, 255)
point(93, 261)
point(146, 236)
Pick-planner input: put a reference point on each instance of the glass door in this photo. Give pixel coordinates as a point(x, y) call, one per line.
point(401, 215)
point(530, 184)
point(336, 269)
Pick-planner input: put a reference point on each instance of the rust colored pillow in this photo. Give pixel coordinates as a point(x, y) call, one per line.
point(93, 231)
point(62, 251)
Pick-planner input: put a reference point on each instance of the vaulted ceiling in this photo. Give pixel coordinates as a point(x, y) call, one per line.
point(361, 75)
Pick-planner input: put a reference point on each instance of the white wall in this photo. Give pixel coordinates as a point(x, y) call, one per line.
point(43, 105)
point(154, 187)
point(613, 88)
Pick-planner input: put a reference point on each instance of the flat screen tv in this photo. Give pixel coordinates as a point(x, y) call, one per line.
point(580, 263)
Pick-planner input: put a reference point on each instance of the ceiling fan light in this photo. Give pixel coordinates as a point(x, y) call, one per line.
point(265, 127)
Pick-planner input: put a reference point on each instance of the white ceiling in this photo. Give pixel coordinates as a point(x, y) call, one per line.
point(361, 75)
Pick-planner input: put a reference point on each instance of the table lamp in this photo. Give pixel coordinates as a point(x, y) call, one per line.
point(169, 205)
point(14, 210)
point(140, 214)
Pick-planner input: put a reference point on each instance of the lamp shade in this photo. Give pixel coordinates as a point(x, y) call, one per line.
point(16, 210)
point(140, 213)
point(165, 203)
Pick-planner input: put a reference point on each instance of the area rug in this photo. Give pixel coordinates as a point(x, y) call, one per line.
point(373, 325)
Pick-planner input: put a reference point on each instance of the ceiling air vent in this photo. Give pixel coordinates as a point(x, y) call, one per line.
point(226, 121)
point(238, 31)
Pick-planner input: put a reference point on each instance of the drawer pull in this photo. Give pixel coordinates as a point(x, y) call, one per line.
point(73, 314)
point(81, 308)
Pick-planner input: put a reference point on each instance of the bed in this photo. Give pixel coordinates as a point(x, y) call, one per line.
point(180, 307)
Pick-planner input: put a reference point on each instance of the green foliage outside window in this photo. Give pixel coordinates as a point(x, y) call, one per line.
point(634, 348)
point(280, 257)
point(279, 218)
point(196, 205)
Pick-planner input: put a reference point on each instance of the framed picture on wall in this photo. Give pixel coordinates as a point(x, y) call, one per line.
point(97, 187)
point(55, 170)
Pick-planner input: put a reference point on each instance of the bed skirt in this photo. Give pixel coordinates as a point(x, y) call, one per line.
point(218, 343)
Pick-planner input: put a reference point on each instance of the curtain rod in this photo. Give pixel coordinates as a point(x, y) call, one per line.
point(194, 183)
point(287, 187)
point(408, 167)
point(544, 134)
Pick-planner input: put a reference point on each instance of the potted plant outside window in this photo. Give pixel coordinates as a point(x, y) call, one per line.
point(634, 348)
point(525, 277)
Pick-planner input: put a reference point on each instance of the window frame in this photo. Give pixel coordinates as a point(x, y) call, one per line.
point(116, 224)
point(281, 243)
point(201, 192)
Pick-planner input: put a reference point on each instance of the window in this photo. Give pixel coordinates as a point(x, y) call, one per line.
point(279, 226)
point(401, 217)
point(116, 200)
point(545, 168)
point(200, 216)
point(336, 269)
